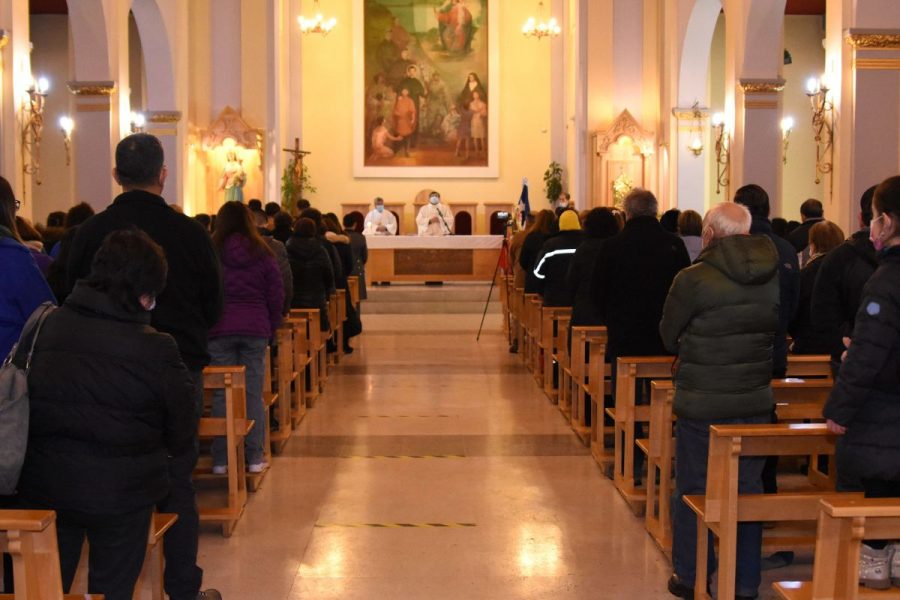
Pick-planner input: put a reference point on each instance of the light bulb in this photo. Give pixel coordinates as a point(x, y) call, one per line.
point(787, 124)
point(138, 120)
point(718, 119)
point(43, 85)
point(812, 86)
point(66, 124)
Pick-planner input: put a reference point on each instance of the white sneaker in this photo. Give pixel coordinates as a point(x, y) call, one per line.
point(257, 467)
point(220, 469)
point(875, 567)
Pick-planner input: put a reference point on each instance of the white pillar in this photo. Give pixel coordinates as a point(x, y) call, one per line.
point(225, 55)
point(759, 154)
point(93, 142)
point(14, 79)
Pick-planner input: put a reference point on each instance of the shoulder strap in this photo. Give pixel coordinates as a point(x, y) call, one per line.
point(32, 328)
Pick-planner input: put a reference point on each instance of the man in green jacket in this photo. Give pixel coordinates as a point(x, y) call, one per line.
point(720, 319)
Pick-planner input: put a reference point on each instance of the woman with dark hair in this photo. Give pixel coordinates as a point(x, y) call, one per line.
point(544, 227)
point(312, 269)
point(254, 297)
point(669, 220)
point(810, 337)
point(57, 273)
point(32, 238)
point(690, 228)
point(335, 235)
point(284, 227)
point(472, 85)
point(110, 402)
point(24, 288)
point(600, 224)
point(864, 407)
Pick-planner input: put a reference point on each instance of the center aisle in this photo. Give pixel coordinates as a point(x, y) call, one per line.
point(434, 468)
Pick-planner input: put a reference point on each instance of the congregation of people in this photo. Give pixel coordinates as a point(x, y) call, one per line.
point(731, 295)
point(147, 297)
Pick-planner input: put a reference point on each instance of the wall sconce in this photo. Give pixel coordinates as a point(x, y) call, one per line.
point(823, 123)
point(723, 152)
point(66, 125)
point(787, 126)
point(318, 24)
point(32, 128)
point(138, 122)
point(696, 143)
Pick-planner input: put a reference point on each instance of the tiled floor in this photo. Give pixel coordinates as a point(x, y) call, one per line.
point(424, 426)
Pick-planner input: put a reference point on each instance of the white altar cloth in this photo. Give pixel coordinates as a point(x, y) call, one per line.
point(444, 242)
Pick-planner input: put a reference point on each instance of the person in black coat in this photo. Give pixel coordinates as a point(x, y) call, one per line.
point(864, 407)
point(842, 276)
point(110, 401)
point(188, 308)
point(544, 226)
point(554, 258)
point(809, 337)
point(599, 225)
point(811, 212)
point(313, 274)
point(757, 201)
point(632, 278)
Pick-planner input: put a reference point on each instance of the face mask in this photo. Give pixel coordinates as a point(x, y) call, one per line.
point(564, 204)
point(877, 242)
point(379, 209)
point(434, 200)
point(152, 305)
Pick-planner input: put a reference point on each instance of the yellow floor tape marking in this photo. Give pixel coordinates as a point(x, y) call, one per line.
point(395, 525)
point(403, 457)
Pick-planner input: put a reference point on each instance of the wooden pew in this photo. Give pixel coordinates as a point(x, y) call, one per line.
point(340, 313)
point(843, 524)
point(518, 322)
point(562, 361)
point(505, 285)
point(720, 510)
point(599, 385)
point(30, 537)
point(150, 582)
point(300, 359)
point(626, 414)
point(552, 318)
point(794, 401)
point(353, 290)
point(532, 334)
point(234, 427)
point(576, 376)
point(316, 346)
point(285, 376)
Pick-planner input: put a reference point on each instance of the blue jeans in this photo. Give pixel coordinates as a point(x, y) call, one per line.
point(691, 454)
point(250, 352)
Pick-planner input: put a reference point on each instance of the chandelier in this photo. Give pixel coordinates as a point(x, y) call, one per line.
point(538, 28)
point(318, 24)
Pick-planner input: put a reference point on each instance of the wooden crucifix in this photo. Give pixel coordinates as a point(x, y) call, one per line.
point(298, 155)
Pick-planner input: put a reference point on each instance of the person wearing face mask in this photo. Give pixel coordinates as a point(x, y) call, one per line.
point(188, 308)
point(864, 407)
point(720, 318)
point(110, 402)
point(435, 218)
point(380, 221)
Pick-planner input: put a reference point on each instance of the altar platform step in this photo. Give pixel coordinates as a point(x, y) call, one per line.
point(418, 299)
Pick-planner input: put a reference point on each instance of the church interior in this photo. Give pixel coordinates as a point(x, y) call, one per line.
point(475, 440)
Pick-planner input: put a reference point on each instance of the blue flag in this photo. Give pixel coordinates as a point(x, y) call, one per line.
point(524, 206)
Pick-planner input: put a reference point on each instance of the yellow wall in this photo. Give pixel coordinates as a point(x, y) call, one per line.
point(328, 106)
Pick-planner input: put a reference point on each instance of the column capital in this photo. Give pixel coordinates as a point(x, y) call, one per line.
point(4, 38)
point(163, 117)
point(873, 39)
point(761, 86)
point(92, 88)
point(691, 113)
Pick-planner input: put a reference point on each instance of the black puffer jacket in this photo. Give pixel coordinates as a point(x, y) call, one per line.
point(531, 247)
point(110, 401)
point(789, 291)
point(809, 337)
point(866, 395)
point(720, 318)
point(839, 285)
point(632, 278)
point(553, 265)
point(313, 275)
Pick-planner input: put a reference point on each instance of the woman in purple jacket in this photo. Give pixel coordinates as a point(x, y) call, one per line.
point(254, 297)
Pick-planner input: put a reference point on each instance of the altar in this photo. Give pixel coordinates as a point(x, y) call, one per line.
point(446, 258)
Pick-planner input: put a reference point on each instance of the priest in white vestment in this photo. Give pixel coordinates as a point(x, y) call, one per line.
point(380, 221)
point(435, 218)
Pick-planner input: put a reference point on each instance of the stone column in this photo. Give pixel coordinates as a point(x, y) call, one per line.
point(757, 154)
point(164, 124)
point(92, 142)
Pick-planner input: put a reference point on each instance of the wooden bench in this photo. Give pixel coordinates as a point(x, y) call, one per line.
point(552, 319)
point(599, 385)
point(627, 414)
point(285, 376)
point(533, 304)
point(316, 347)
point(843, 524)
point(234, 427)
point(353, 290)
point(794, 401)
point(518, 319)
point(300, 360)
point(30, 537)
point(721, 509)
point(340, 314)
point(576, 377)
point(150, 582)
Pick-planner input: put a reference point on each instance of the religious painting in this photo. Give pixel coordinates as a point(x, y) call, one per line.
point(426, 88)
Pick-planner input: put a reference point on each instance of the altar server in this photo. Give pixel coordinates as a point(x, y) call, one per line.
point(435, 218)
point(380, 221)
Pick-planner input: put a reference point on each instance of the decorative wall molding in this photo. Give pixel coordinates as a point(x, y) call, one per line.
point(624, 124)
point(163, 116)
point(691, 114)
point(873, 39)
point(878, 64)
point(762, 86)
point(92, 88)
point(4, 38)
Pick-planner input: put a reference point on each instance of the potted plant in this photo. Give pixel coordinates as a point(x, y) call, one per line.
point(295, 182)
point(553, 181)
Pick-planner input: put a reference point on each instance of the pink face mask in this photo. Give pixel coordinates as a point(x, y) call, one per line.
point(877, 242)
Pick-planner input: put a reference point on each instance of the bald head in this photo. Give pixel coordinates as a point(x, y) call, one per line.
point(724, 220)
